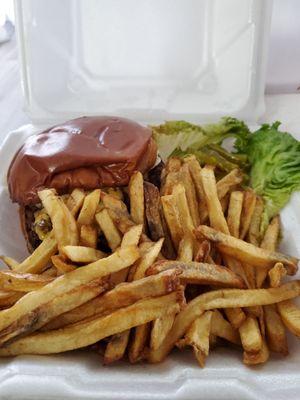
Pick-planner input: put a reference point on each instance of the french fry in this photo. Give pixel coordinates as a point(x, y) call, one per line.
point(9, 298)
point(183, 208)
point(38, 260)
point(38, 307)
point(75, 201)
point(88, 236)
point(136, 195)
point(250, 335)
point(141, 333)
point(62, 265)
point(116, 192)
point(87, 333)
point(160, 329)
point(276, 274)
point(254, 229)
point(185, 249)
point(221, 299)
point(117, 211)
point(63, 222)
point(122, 295)
point(247, 212)
point(187, 182)
point(269, 242)
point(82, 254)
point(107, 226)
point(199, 273)
point(51, 272)
point(10, 262)
point(246, 252)
point(290, 315)
point(171, 214)
point(260, 357)
point(173, 164)
point(228, 182)
point(203, 251)
point(88, 209)
point(195, 171)
point(214, 207)
point(222, 328)
point(234, 213)
point(22, 282)
point(197, 336)
point(236, 316)
point(116, 347)
point(275, 330)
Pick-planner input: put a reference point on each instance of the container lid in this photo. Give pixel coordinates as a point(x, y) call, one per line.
point(147, 60)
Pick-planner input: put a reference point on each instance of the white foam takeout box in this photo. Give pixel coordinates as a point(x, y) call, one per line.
point(149, 60)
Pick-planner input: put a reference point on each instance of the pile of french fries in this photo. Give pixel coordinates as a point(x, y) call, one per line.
point(139, 271)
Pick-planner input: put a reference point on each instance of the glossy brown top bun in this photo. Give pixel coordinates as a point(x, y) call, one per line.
point(87, 152)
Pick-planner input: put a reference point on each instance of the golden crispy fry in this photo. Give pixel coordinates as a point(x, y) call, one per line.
point(183, 208)
point(9, 298)
point(88, 236)
point(136, 196)
point(160, 329)
point(199, 273)
point(130, 238)
point(147, 259)
point(216, 216)
point(37, 308)
point(141, 333)
point(155, 219)
point(107, 226)
point(221, 299)
point(222, 328)
point(185, 249)
point(231, 180)
point(247, 212)
point(10, 262)
point(275, 330)
point(122, 295)
point(290, 315)
point(250, 275)
point(276, 274)
point(62, 265)
point(173, 164)
point(88, 209)
point(236, 316)
point(187, 182)
point(269, 242)
point(86, 333)
point(234, 213)
point(38, 260)
point(75, 201)
point(116, 192)
point(63, 222)
point(250, 335)
point(116, 347)
point(117, 211)
point(82, 254)
point(195, 171)
point(260, 357)
point(197, 336)
point(224, 204)
point(22, 282)
point(170, 181)
point(246, 252)
point(203, 251)
point(140, 338)
point(51, 272)
point(254, 229)
point(171, 214)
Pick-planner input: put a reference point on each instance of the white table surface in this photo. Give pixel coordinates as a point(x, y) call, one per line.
point(283, 107)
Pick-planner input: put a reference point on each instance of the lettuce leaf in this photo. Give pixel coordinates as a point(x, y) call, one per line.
point(275, 166)
point(182, 138)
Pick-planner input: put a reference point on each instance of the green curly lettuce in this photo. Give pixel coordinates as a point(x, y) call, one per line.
point(274, 157)
point(182, 138)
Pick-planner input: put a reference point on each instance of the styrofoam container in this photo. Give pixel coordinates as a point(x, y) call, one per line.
point(149, 60)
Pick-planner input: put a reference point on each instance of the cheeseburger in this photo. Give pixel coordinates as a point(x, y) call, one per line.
point(87, 153)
